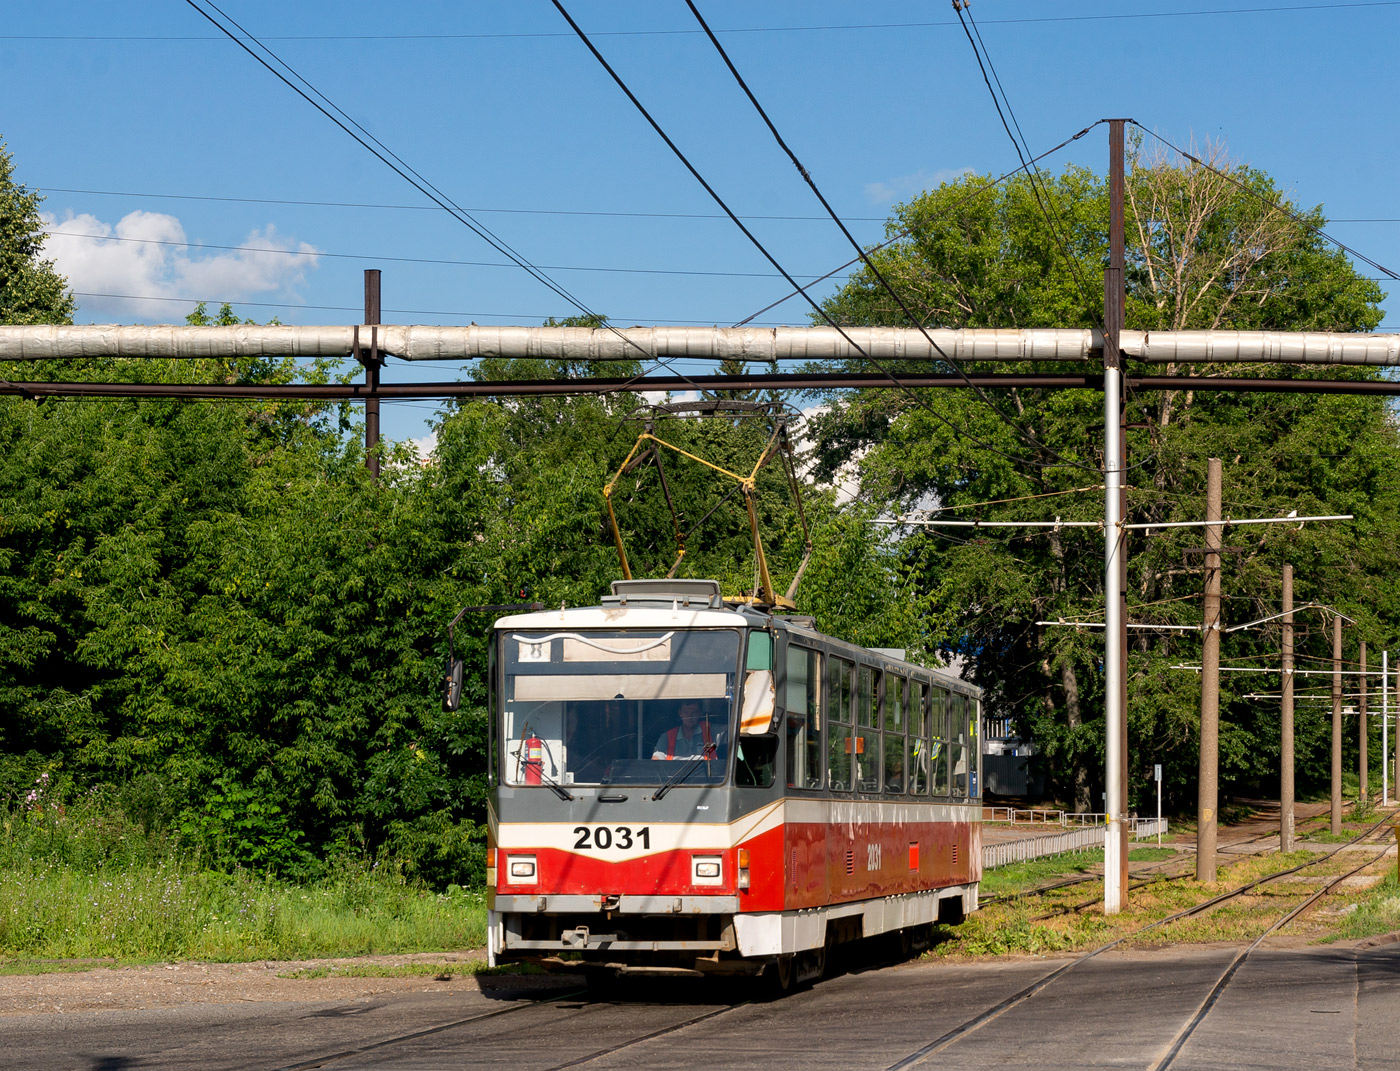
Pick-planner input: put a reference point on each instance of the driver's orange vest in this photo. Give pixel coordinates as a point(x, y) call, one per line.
point(672, 734)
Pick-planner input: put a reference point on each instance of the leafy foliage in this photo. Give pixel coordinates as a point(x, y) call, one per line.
point(1203, 252)
point(31, 292)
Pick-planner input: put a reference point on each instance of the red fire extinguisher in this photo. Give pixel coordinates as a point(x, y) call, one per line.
point(532, 751)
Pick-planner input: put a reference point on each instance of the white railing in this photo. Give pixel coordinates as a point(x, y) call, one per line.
point(1023, 816)
point(1142, 828)
point(1085, 818)
point(1018, 851)
point(1087, 836)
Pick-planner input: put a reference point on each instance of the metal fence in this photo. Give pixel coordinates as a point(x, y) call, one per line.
point(1074, 840)
point(1018, 851)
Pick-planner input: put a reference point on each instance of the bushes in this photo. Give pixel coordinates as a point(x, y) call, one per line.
point(82, 880)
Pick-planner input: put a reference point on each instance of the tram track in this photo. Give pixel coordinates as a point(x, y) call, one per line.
point(385, 1045)
point(1138, 872)
point(330, 1059)
point(1165, 1061)
point(553, 1022)
point(952, 1036)
point(652, 1036)
point(1183, 872)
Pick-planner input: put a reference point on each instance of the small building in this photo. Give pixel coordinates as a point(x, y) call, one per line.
point(1009, 766)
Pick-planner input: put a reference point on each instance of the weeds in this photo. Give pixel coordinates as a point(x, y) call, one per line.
point(84, 883)
point(1049, 923)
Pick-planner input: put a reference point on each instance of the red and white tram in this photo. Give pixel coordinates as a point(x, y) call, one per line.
point(678, 783)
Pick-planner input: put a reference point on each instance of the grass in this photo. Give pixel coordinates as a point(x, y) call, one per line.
point(174, 911)
point(1030, 926)
point(1022, 877)
point(1377, 912)
point(67, 893)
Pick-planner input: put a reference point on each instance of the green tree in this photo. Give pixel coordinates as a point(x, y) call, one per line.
point(1202, 253)
point(31, 292)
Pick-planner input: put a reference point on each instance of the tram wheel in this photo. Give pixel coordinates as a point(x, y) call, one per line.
point(923, 938)
point(604, 983)
point(783, 975)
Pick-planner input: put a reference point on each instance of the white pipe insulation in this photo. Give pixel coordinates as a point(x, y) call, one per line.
point(424, 343)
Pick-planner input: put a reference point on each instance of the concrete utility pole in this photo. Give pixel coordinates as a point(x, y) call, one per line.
point(1208, 790)
point(1361, 710)
point(1336, 724)
point(1285, 771)
point(1115, 856)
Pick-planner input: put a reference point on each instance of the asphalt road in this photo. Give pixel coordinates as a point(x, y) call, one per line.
point(1314, 1009)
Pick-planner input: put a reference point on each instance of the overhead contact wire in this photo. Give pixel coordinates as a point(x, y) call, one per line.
point(816, 306)
point(1032, 172)
point(1026, 437)
point(974, 192)
point(395, 163)
point(1277, 205)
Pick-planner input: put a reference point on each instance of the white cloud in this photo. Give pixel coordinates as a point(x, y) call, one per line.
point(905, 186)
point(425, 445)
point(143, 256)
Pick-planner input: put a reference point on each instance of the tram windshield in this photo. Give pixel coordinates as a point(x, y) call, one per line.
point(631, 707)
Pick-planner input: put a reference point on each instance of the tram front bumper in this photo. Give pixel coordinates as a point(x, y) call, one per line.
point(532, 926)
point(518, 904)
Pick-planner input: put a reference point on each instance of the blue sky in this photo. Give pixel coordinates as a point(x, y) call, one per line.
point(152, 111)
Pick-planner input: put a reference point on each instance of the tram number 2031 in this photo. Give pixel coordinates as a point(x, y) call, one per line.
point(605, 837)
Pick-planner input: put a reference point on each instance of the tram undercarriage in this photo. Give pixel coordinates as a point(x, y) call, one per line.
point(704, 935)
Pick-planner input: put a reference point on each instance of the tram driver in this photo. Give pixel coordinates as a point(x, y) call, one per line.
point(691, 739)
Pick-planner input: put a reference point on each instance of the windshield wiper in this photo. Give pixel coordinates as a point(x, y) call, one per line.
point(559, 790)
point(679, 776)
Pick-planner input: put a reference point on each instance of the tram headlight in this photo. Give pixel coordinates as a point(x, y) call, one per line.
point(706, 870)
point(521, 870)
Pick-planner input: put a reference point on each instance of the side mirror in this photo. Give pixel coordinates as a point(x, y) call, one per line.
point(452, 685)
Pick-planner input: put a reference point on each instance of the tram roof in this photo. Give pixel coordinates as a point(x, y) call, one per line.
point(651, 617)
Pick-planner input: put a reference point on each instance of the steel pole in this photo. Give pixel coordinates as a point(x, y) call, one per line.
point(1285, 768)
point(1207, 793)
point(1115, 857)
point(372, 374)
point(1385, 728)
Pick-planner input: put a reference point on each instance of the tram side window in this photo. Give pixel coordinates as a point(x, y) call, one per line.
point(802, 700)
point(938, 742)
point(840, 693)
point(916, 754)
point(960, 750)
point(896, 718)
point(867, 744)
point(974, 732)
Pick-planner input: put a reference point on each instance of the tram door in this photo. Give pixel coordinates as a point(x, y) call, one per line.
point(806, 820)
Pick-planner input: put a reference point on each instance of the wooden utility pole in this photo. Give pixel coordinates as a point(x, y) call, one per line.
point(1361, 710)
point(1336, 724)
point(1208, 788)
point(1285, 772)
